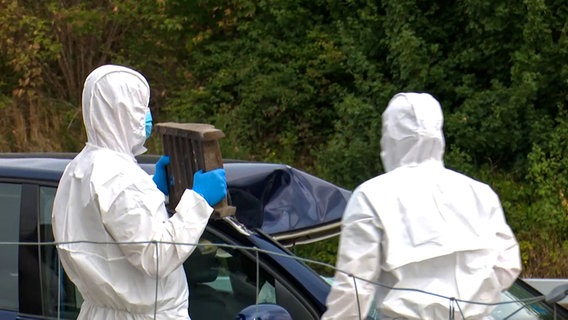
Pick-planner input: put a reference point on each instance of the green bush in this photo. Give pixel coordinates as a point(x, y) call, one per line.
point(323, 253)
point(305, 82)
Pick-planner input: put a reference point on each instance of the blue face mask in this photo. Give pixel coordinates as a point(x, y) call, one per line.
point(148, 124)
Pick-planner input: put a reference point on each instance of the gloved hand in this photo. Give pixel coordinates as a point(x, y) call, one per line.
point(160, 176)
point(211, 185)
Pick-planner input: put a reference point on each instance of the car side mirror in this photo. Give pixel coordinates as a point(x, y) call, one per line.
point(263, 311)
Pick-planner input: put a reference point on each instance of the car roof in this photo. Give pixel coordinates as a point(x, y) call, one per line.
point(32, 167)
point(289, 204)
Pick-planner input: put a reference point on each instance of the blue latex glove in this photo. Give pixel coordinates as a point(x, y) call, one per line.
point(160, 176)
point(211, 185)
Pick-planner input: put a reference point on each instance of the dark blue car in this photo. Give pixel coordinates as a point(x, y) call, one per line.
point(239, 262)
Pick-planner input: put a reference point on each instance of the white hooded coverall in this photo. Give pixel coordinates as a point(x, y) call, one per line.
point(421, 226)
point(107, 210)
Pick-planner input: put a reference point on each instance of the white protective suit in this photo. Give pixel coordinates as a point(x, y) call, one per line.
point(112, 209)
point(421, 226)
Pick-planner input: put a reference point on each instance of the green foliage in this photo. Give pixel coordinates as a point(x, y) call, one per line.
point(548, 204)
point(324, 251)
point(269, 85)
point(352, 155)
point(305, 82)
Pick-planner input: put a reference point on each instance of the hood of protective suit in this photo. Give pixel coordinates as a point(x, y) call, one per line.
point(412, 131)
point(115, 103)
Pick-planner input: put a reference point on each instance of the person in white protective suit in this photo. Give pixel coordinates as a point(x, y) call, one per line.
point(421, 226)
point(116, 240)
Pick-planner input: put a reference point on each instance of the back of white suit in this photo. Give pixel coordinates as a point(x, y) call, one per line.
point(422, 228)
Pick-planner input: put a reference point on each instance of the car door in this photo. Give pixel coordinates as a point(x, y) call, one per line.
point(33, 283)
point(10, 201)
point(60, 298)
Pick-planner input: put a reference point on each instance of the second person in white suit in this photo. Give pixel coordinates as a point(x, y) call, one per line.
point(422, 226)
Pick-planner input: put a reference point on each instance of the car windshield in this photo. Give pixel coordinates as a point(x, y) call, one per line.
point(520, 303)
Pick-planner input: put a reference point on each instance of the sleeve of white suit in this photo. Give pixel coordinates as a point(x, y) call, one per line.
point(508, 264)
point(152, 242)
point(358, 255)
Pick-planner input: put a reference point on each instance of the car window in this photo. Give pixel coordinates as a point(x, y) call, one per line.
point(516, 309)
point(223, 280)
point(56, 286)
point(10, 195)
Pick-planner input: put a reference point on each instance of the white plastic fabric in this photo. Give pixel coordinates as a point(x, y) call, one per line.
point(421, 226)
point(105, 197)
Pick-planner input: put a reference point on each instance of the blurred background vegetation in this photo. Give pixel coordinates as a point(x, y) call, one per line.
point(304, 82)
